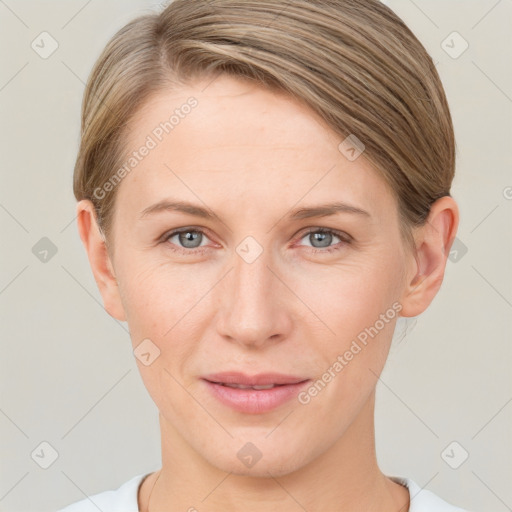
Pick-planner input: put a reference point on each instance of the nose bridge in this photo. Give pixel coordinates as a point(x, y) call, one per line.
point(251, 312)
point(252, 278)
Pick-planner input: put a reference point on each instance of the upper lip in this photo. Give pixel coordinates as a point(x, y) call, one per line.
point(261, 379)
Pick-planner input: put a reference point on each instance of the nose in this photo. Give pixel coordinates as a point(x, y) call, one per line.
point(253, 303)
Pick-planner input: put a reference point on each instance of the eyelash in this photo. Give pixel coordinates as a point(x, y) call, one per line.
point(345, 240)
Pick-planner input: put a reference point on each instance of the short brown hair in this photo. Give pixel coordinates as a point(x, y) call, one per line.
point(353, 62)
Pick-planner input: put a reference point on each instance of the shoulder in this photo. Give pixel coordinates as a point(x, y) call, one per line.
point(123, 499)
point(422, 499)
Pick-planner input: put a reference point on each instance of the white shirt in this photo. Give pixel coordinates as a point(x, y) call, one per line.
point(124, 499)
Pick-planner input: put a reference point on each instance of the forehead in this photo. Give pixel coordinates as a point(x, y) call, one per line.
point(240, 139)
point(232, 112)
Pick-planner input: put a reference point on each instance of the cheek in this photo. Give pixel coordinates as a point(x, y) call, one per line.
point(357, 306)
point(350, 296)
point(350, 361)
point(170, 305)
point(157, 296)
point(163, 305)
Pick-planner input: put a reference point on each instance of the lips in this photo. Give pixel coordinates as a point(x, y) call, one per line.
point(241, 386)
point(261, 381)
point(256, 394)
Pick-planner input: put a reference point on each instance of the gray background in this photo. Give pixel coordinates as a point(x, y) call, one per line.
point(68, 375)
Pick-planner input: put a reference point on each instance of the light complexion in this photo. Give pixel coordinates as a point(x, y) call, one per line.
point(252, 158)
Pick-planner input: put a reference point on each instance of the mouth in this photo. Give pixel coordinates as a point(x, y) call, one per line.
point(259, 381)
point(254, 394)
point(241, 386)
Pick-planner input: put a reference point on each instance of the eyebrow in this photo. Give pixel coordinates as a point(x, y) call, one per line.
point(322, 210)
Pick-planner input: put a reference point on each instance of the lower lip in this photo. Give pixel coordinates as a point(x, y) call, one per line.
point(255, 401)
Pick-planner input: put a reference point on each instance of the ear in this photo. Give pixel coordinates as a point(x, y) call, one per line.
point(99, 259)
point(433, 243)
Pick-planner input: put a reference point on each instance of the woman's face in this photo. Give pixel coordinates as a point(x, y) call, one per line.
point(255, 287)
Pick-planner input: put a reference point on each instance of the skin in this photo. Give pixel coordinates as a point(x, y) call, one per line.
point(251, 156)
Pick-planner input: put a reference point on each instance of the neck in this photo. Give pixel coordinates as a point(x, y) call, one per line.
point(344, 477)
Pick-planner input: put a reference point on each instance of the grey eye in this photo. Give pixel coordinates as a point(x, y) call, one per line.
point(189, 239)
point(324, 238)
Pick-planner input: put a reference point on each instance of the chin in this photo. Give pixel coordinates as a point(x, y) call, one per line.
point(265, 463)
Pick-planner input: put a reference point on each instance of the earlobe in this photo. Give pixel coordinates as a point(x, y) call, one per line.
point(433, 242)
point(99, 259)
